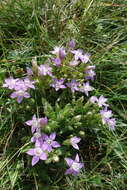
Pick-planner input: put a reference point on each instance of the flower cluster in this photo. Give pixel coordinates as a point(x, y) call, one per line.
point(73, 57)
point(67, 68)
point(20, 87)
point(45, 144)
point(78, 57)
point(105, 113)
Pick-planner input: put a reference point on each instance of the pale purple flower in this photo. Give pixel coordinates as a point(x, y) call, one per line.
point(90, 74)
point(44, 70)
point(86, 88)
point(29, 83)
point(85, 58)
point(73, 85)
point(93, 99)
point(90, 67)
point(56, 61)
point(38, 138)
point(74, 141)
point(105, 114)
point(34, 123)
point(72, 44)
point(111, 123)
point(29, 71)
point(59, 52)
point(78, 54)
point(10, 83)
point(20, 85)
point(50, 143)
point(58, 84)
point(38, 154)
point(20, 94)
point(74, 63)
point(102, 101)
point(75, 165)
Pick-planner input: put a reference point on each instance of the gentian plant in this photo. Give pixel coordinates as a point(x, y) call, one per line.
point(58, 135)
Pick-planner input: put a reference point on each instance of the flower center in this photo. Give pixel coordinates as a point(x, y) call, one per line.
point(75, 166)
point(20, 92)
point(37, 135)
point(107, 114)
point(35, 123)
point(38, 151)
point(49, 141)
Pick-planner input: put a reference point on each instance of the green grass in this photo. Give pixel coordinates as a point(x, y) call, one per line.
point(32, 28)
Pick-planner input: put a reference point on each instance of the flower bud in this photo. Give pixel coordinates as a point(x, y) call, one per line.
point(77, 117)
point(55, 158)
point(43, 121)
point(82, 133)
point(89, 113)
point(66, 142)
point(34, 64)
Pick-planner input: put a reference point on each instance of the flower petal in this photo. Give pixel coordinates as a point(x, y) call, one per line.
point(26, 95)
point(31, 152)
point(43, 156)
point(75, 146)
point(19, 99)
point(35, 159)
point(52, 136)
point(77, 158)
point(29, 122)
point(55, 144)
point(69, 161)
point(68, 171)
point(13, 95)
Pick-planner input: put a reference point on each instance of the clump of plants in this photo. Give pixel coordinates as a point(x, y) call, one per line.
point(58, 135)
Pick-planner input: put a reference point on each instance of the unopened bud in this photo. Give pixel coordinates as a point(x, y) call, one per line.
point(89, 113)
point(78, 117)
point(82, 133)
point(43, 121)
point(34, 64)
point(55, 158)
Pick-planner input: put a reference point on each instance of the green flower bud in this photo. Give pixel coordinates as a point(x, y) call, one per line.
point(32, 101)
point(82, 133)
point(66, 142)
point(28, 107)
point(89, 113)
point(48, 161)
point(47, 129)
point(70, 128)
point(77, 117)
